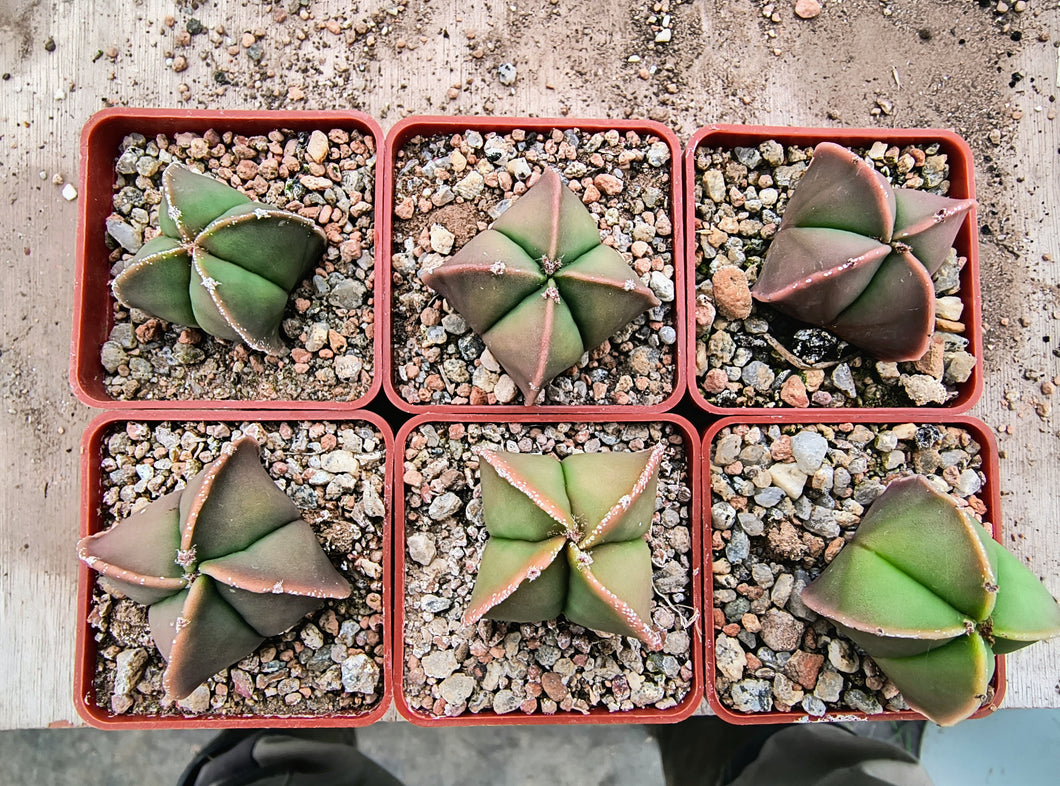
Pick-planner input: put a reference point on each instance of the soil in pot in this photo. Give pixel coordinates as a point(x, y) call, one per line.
point(771, 538)
point(331, 662)
point(550, 667)
point(449, 188)
point(327, 175)
point(767, 359)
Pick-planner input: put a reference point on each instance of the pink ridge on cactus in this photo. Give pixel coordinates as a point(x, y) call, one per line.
point(221, 564)
point(596, 508)
point(539, 287)
point(856, 256)
point(925, 591)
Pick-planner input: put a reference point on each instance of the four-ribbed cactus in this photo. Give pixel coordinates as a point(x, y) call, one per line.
point(539, 287)
point(931, 597)
point(221, 564)
point(568, 538)
point(856, 256)
point(223, 263)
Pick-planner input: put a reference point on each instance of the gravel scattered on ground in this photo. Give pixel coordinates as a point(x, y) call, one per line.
point(329, 663)
point(784, 502)
point(327, 175)
point(552, 667)
point(747, 354)
point(447, 188)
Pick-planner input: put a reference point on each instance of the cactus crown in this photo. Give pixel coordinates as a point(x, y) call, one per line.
point(539, 287)
point(221, 563)
point(925, 591)
point(223, 263)
point(594, 509)
point(856, 256)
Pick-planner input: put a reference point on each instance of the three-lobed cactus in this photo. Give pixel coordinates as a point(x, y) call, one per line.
point(222, 563)
point(540, 287)
point(855, 255)
point(931, 597)
point(223, 263)
point(567, 537)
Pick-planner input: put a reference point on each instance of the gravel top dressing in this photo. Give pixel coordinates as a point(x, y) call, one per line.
point(328, 176)
point(785, 500)
point(331, 662)
point(447, 189)
point(747, 354)
point(553, 666)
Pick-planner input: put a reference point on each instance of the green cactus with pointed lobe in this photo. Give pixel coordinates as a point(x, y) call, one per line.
point(856, 256)
point(568, 538)
point(221, 564)
point(931, 597)
point(539, 287)
point(223, 263)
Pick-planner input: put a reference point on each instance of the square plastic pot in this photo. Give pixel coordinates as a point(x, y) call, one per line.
point(989, 495)
point(406, 603)
point(962, 185)
point(101, 138)
point(408, 129)
point(93, 520)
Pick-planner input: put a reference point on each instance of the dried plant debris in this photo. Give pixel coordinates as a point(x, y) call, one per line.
point(331, 662)
point(785, 500)
point(327, 176)
point(550, 667)
point(749, 355)
point(447, 189)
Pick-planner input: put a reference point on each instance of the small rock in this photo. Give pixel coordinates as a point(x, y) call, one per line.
point(470, 187)
point(198, 701)
point(714, 181)
point(504, 701)
point(340, 462)
point(781, 631)
point(441, 239)
point(758, 375)
point(127, 236)
point(456, 689)
point(317, 337)
point(793, 392)
point(421, 548)
point(505, 390)
point(317, 147)
point(506, 73)
point(842, 656)
point(862, 702)
point(829, 686)
point(128, 668)
point(789, 478)
point(444, 506)
point(809, 448)
point(359, 674)
point(752, 696)
point(923, 389)
point(439, 663)
point(959, 366)
point(807, 9)
point(732, 295)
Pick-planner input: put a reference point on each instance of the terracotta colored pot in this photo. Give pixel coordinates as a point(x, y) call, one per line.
point(401, 134)
point(93, 318)
point(92, 520)
point(407, 604)
point(962, 185)
point(989, 495)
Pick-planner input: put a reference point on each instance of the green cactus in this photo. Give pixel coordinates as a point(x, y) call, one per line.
point(856, 256)
point(223, 263)
point(595, 510)
point(221, 564)
point(539, 287)
point(931, 597)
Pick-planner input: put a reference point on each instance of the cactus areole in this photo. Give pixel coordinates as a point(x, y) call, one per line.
point(222, 563)
point(223, 263)
point(856, 256)
point(539, 286)
point(568, 537)
point(931, 597)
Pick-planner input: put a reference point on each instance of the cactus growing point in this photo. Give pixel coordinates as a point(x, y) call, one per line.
point(855, 255)
point(931, 597)
point(221, 564)
point(568, 537)
point(223, 263)
point(540, 287)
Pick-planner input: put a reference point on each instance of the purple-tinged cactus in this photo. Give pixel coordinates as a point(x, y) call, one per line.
point(931, 597)
point(856, 256)
point(567, 537)
point(221, 564)
point(223, 263)
point(539, 287)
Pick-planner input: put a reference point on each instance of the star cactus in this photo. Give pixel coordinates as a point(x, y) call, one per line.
point(223, 263)
point(221, 564)
point(539, 287)
point(568, 537)
point(931, 597)
point(856, 256)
